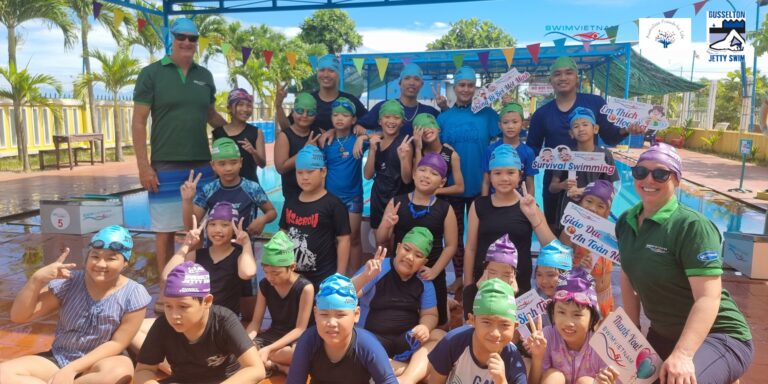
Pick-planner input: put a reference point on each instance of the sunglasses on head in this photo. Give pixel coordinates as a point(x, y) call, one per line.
point(308, 112)
point(115, 246)
point(660, 175)
point(578, 297)
point(182, 37)
point(343, 104)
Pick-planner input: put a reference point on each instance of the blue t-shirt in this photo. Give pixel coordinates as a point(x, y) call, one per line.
point(392, 302)
point(345, 176)
point(550, 126)
point(246, 197)
point(371, 119)
point(469, 134)
point(365, 360)
point(453, 357)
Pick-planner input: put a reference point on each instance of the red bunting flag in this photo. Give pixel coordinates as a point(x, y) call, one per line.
point(246, 54)
point(142, 23)
point(96, 9)
point(267, 56)
point(533, 49)
point(670, 14)
point(483, 57)
point(698, 6)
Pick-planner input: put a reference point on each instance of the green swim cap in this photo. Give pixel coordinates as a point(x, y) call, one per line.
point(305, 101)
point(421, 238)
point(278, 251)
point(495, 298)
point(344, 106)
point(563, 62)
point(512, 107)
point(224, 148)
point(391, 107)
point(425, 120)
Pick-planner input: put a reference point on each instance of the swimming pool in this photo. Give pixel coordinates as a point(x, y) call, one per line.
point(729, 215)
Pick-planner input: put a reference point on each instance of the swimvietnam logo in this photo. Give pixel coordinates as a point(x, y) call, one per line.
point(583, 33)
point(726, 36)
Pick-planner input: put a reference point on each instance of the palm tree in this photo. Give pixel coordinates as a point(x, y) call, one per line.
point(233, 35)
point(117, 72)
point(24, 89)
point(13, 13)
point(82, 9)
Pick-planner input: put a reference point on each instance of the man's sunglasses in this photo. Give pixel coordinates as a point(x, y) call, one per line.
point(658, 174)
point(308, 112)
point(182, 37)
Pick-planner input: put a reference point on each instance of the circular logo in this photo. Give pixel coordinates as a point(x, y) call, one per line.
point(60, 218)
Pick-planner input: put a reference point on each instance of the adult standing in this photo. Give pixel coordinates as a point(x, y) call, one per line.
point(328, 69)
point(671, 262)
point(550, 125)
point(179, 95)
point(411, 81)
point(469, 134)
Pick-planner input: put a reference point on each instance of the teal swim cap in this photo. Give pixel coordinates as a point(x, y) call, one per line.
point(336, 292)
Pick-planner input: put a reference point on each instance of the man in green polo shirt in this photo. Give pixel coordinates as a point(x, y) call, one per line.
point(179, 95)
point(671, 263)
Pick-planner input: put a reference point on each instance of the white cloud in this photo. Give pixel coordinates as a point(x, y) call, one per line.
point(290, 32)
point(398, 40)
point(440, 25)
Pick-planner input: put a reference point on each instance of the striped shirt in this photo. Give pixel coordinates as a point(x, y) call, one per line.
point(84, 323)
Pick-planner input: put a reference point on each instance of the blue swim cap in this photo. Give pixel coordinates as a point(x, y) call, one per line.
point(464, 73)
point(328, 61)
point(581, 113)
point(115, 238)
point(184, 25)
point(505, 156)
point(310, 157)
point(336, 292)
point(556, 255)
point(411, 69)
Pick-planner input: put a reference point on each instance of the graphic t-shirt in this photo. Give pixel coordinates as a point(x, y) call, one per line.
point(365, 361)
point(453, 357)
point(212, 357)
point(313, 228)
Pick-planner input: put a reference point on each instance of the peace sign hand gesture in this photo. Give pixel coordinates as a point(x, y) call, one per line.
point(189, 188)
point(527, 204)
point(241, 236)
point(390, 215)
point(373, 266)
point(404, 150)
point(440, 100)
point(193, 236)
point(313, 139)
point(55, 270)
point(536, 343)
point(280, 94)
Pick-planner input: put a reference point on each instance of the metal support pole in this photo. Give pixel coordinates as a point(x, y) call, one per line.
point(166, 31)
point(607, 75)
point(754, 72)
point(592, 81)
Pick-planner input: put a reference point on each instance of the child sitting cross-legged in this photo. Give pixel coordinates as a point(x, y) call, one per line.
point(399, 307)
point(335, 351)
point(203, 343)
point(288, 296)
point(482, 353)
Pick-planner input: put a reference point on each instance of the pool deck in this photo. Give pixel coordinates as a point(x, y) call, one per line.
point(22, 250)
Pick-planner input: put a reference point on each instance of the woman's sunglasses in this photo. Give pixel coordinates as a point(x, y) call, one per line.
point(308, 112)
point(182, 37)
point(659, 175)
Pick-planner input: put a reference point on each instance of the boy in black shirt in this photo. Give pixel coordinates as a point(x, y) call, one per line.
point(202, 342)
point(316, 221)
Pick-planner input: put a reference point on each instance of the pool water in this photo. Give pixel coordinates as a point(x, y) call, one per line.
point(729, 215)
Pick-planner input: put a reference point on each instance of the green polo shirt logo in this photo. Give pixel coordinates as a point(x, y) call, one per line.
point(656, 249)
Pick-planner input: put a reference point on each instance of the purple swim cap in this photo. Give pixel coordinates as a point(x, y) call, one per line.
point(502, 251)
point(602, 189)
point(434, 161)
point(188, 279)
point(664, 154)
point(223, 210)
point(577, 285)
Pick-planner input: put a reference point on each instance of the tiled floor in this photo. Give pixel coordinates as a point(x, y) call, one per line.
point(23, 249)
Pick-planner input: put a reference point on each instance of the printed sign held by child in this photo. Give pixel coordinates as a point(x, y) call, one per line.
point(591, 231)
point(622, 346)
point(530, 305)
point(485, 96)
point(562, 158)
point(623, 113)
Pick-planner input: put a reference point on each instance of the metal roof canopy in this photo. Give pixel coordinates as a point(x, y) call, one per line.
point(439, 64)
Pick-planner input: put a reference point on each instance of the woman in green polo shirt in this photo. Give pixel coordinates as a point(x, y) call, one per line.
point(670, 256)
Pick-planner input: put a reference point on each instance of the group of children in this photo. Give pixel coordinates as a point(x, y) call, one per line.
point(388, 322)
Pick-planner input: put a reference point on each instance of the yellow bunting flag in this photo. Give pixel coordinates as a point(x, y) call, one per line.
point(381, 64)
point(119, 16)
point(509, 55)
point(202, 44)
point(359, 61)
point(458, 60)
point(291, 57)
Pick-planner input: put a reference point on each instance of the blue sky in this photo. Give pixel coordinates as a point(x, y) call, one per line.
point(410, 28)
